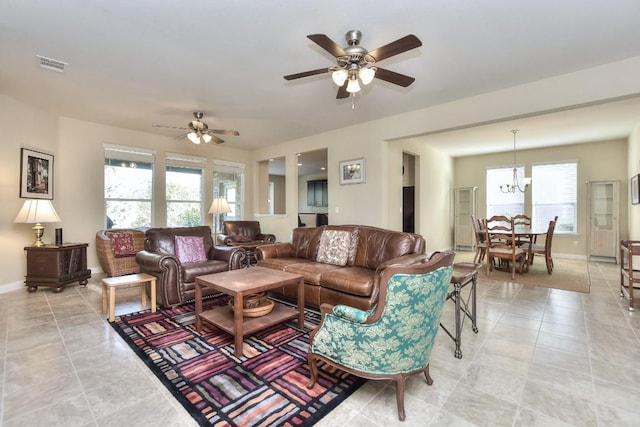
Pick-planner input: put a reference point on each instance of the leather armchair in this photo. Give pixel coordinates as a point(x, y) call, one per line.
point(176, 280)
point(394, 339)
point(243, 232)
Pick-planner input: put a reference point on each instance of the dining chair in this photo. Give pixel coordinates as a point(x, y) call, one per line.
point(545, 249)
point(523, 221)
point(481, 244)
point(501, 244)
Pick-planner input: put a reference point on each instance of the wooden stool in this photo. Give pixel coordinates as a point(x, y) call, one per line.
point(110, 284)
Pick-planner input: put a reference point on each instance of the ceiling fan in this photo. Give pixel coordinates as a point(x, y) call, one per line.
point(197, 131)
point(355, 64)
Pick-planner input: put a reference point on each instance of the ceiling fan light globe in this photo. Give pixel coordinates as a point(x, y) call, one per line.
point(207, 138)
point(366, 75)
point(339, 77)
point(353, 86)
point(193, 137)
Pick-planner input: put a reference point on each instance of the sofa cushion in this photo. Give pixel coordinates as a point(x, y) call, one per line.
point(190, 249)
point(376, 245)
point(311, 271)
point(350, 280)
point(121, 243)
point(305, 241)
point(334, 247)
point(280, 263)
point(192, 270)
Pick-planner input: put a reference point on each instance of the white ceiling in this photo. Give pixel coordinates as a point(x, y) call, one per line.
point(133, 64)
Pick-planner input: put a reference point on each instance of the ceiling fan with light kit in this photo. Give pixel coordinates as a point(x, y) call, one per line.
point(198, 131)
point(356, 65)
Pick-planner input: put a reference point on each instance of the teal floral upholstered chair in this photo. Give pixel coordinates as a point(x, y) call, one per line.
point(395, 338)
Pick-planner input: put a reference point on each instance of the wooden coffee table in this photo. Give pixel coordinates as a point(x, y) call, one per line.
point(240, 283)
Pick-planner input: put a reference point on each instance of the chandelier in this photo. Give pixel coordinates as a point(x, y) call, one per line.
point(515, 185)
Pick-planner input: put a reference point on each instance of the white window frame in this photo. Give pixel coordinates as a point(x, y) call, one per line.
point(555, 192)
point(222, 189)
point(174, 162)
point(132, 156)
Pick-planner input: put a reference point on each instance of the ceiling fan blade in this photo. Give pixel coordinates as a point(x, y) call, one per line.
point(216, 139)
point(393, 77)
point(224, 132)
point(181, 136)
point(168, 127)
point(394, 48)
point(327, 44)
point(306, 74)
point(342, 92)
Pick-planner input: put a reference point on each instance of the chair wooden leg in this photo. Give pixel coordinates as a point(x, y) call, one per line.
point(427, 376)
point(549, 264)
point(313, 370)
point(400, 396)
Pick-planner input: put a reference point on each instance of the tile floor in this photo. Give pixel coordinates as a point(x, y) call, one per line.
point(542, 357)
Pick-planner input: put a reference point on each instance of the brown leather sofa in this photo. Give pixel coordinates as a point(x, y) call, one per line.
point(175, 279)
point(356, 283)
point(243, 232)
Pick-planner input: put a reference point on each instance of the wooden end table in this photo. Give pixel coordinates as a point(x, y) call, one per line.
point(240, 283)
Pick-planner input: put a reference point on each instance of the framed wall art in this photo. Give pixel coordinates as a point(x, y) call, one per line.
point(635, 190)
point(36, 174)
point(352, 171)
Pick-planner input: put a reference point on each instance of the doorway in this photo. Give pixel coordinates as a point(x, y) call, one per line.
point(408, 193)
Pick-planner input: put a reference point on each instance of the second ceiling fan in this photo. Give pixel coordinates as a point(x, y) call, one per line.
point(356, 65)
point(198, 131)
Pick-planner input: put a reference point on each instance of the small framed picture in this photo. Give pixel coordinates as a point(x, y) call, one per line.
point(352, 171)
point(36, 174)
point(635, 190)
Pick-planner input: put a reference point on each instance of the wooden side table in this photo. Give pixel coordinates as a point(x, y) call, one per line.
point(110, 284)
point(56, 266)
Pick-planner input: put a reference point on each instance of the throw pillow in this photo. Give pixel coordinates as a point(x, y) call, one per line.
point(190, 249)
point(121, 243)
point(334, 247)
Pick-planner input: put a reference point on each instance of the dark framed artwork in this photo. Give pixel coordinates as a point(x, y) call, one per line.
point(635, 190)
point(352, 171)
point(36, 174)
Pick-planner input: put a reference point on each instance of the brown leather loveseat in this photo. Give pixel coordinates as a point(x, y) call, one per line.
point(176, 256)
point(341, 264)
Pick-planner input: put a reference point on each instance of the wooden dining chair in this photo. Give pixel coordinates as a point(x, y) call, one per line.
point(481, 244)
point(523, 221)
point(501, 244)
point(545, 249)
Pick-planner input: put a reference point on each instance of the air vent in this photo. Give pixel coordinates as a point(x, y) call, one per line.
point(51, 64)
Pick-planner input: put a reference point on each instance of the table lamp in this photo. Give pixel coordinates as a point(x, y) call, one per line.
point(37, 211)
point(218, 207)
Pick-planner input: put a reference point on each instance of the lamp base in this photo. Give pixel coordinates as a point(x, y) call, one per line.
point(38, 232)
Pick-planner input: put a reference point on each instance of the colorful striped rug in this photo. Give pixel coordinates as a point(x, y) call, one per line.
point(264, 387)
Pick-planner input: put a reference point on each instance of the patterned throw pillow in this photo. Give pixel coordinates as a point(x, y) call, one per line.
point(334, 247)
point(190, 249)
point(121, 243)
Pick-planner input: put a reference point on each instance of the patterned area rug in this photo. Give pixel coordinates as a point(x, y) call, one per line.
point(264, 387)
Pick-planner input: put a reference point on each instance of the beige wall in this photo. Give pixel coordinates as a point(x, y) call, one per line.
point(600, 161)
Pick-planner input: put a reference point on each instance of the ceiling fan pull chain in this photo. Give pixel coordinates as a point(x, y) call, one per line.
point(353, 101)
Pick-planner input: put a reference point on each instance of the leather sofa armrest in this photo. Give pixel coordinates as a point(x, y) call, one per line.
point(271, 238)
point(274, 250)
point(149, 261)
point(233, 255)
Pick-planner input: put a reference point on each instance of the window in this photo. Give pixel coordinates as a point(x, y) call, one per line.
point(499, 203)
point(184, 190)
point(228, 182)
point(128, 187)
point(554, 193)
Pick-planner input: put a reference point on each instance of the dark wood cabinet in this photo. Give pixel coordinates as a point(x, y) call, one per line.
point(56, 266)
point(317, 193)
